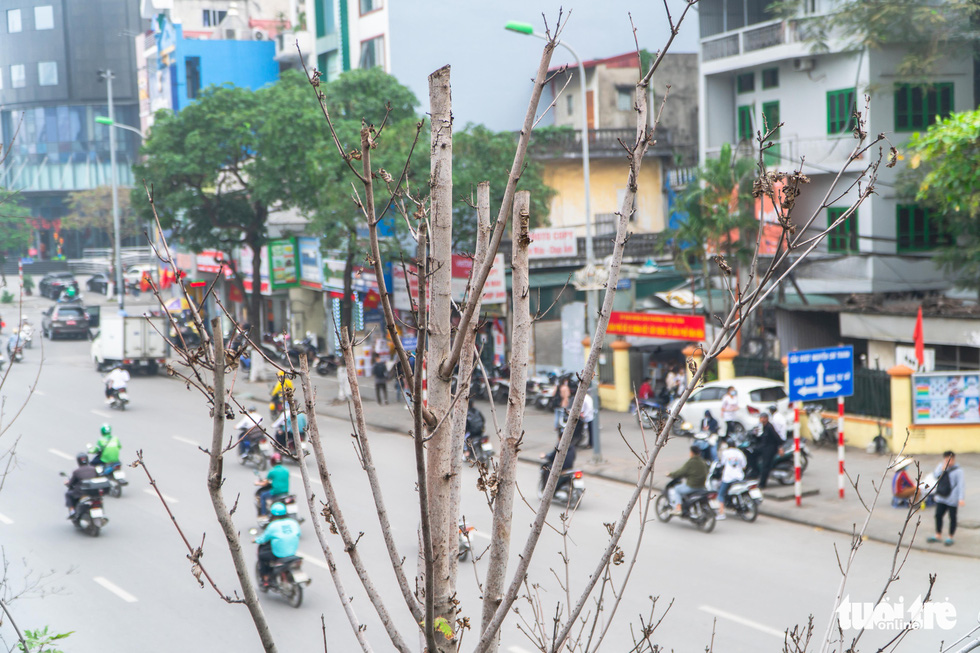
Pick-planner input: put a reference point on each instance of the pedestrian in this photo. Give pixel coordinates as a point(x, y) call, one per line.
point(587, 418)
point(729, 411)
point(564, 403)
point(645, 390)
point(778, 422)
point(343, 389)
point(949, 496)
point(380, 372)
point(673, 381)
point(769, 448)
point(733, 463)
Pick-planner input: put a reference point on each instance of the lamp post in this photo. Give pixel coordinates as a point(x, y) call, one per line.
point(590, 295)
point(108, 76)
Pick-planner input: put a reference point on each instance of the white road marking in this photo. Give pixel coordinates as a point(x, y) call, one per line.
point(755, 625)
point(516, 649)
point(480, 534)
point(153, 493)
point(313, 560)
point(101, 413)
point(40, 393)
point(61, 454)
point(299, 477)
point(115, 589)
point(185, 440)
point(6, 520)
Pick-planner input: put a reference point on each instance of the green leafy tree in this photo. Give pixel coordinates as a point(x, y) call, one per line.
point(15, 231)
point(943, 162)
point(926, 30)
point(720, 220)
point(209, 168)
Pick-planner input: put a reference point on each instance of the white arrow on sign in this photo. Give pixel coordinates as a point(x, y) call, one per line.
point(820, 388)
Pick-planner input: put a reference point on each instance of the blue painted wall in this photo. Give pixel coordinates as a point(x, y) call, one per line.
point(248, 64)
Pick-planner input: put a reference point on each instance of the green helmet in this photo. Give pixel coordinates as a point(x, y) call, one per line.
point(278, 509)
point(106, 429)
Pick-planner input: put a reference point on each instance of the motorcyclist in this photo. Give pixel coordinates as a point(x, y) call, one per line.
point(249, 430)
point(770, 445)
point(283, 429)
point(280, 539)
point(279, 390)
point(69, 294)
point(83, 472)
point(14, 342)
point(694, 473)
point(549, 460)
point(115, 382)
point(778, 422)
point(475, 424)
point(106, 450)
point(276, 482)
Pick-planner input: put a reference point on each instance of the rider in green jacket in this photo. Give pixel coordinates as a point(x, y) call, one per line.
point(107, 449)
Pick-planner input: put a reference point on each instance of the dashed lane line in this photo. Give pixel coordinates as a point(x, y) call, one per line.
point(755, 625)
point(153, 493)
point(115, 589)
point(61, 454)
point(6, 520)
point(313, 560)
point(179, 438)
point(101, 413)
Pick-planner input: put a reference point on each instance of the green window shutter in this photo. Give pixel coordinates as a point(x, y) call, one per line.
point(917, 107)
point(745, 130)
point(840, 111)
point(843, 237)
point(770, 118)
point(321, 20)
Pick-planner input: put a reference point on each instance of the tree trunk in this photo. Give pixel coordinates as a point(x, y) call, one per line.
point(347, 301)
point(503, 504)
point(255, 313)
point(439, 451)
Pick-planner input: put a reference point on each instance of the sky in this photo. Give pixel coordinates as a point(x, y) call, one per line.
point(492, 68)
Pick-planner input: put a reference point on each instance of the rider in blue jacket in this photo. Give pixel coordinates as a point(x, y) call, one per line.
point(280, 539)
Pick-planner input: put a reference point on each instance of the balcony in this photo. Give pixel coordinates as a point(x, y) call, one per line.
point(749, 39)
point(286, 52)
point(603, 143)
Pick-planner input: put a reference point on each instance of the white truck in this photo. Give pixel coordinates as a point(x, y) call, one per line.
point(135, 342)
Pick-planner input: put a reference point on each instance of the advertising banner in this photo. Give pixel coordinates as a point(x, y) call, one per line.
point(283, 263)
point(657, 325)
point(552, 243)
point(946, 398)
point(310, 263)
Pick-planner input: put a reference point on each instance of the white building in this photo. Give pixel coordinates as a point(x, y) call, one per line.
point(755, 68)
point(337, 35)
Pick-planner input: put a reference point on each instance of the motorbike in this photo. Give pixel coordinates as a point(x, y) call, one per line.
point(743, 497)
point(113, 473)
point(118, 399)
point(478, 448)
point(286, 578)
point(570, 488)
point(708, 445)
point(89, 515)
point(648, 412)
point(823, 430)
point(327, 364)
point(695, 507)
point(15, 351)
point(27, 333)
point(288, 500)
point(464, 540)
point(783, 468)
point(257, 455)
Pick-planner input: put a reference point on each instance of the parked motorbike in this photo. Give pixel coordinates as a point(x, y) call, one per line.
point(478, 448)
point(695, 507)
point(113, 473)
point(648, 413)
point(286, 578)
point(707, 443)
point(89, 514)
point(783, 468)
point(118, 399)
point(464, 540)
point(823, 430)
point(570, 488)
point(327, 364)
point(743, 497)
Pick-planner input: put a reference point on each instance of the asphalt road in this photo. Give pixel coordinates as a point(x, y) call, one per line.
point(131, 589)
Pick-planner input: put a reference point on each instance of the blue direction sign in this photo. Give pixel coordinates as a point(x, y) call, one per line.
point(817, 374)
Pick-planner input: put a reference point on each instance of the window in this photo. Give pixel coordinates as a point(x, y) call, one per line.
point(770, 120)
point(570, 104)
point(745, 83)
point(192, 66)
point(624, 99)
point(325, 23)
point(43, 17)
point(370, 5)
point(212, 17)
point(840, 111)
point(372, 53)
point(770, 78)
point(763, 395)
point(17, 77)
point(745, 130)
point(919, 229)
point(843, 237)
point(13, 21)
point(47, 73)
point(917, 106)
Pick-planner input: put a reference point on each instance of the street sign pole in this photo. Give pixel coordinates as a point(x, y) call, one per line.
point(815, 375)
point(797, 471)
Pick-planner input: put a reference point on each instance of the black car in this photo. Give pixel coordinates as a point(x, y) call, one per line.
point(98, 283)
point(65, 320)
point(52, 284)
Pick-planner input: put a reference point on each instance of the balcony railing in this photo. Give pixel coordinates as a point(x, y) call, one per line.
point(763, 37)
point(726, 46)
point(748, 39)
point(602, 142)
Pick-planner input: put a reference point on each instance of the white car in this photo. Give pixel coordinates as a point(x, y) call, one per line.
point(755, 395)
point(134, 274)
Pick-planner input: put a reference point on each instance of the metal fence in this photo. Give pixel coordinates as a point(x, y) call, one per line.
point(767, 368)
point(872, 394)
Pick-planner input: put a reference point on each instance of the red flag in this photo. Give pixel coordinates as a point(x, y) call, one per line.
point(920, 351)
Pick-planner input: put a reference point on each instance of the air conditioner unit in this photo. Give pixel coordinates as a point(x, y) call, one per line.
point(260, 35)
point(804, 65)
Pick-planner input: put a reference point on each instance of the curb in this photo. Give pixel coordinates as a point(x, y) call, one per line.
point(608, 477)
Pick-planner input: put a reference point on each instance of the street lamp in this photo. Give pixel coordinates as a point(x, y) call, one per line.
point(590, 295)
point(108, 76)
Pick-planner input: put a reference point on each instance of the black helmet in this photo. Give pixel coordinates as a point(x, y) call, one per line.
point(82, 459)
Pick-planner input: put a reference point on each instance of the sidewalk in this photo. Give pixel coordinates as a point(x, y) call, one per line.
point(822, 509)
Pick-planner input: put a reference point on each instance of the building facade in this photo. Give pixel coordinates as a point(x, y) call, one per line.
point(53, 58)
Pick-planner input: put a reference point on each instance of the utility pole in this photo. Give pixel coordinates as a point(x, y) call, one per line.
point(117, 263)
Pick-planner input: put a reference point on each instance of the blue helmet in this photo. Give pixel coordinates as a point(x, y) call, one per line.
point(278, 509)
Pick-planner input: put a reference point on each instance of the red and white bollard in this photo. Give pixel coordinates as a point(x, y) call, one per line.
point(425, 386)
point(840, 446)
point(797, 484)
